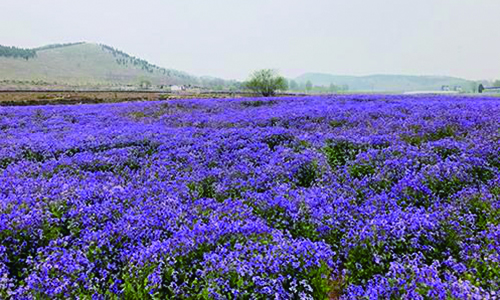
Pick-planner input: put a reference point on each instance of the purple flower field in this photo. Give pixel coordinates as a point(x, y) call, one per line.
point(340, 197)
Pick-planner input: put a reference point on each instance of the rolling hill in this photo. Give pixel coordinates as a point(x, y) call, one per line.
point(84, 64)
point(387, 83)
point(92, 65)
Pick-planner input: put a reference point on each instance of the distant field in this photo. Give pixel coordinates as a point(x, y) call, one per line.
point(42, 98)
point(33, 98)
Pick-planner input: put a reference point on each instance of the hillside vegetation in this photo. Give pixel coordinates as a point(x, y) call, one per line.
point(15, 52)
point(85, 64)
point(89, 65)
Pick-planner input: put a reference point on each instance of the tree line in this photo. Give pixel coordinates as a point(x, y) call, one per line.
point(125, 59)
point(55, 46)
point(268, 82)
point(309, 87)
point(16, 52)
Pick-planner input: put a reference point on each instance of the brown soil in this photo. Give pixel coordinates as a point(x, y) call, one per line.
point(19, 98)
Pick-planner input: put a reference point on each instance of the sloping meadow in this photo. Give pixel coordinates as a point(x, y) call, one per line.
point(342, 197)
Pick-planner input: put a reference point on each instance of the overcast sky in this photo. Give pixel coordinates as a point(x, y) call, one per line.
point(231, 38)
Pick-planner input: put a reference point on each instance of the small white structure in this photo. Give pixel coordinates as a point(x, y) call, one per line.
point(176, 88)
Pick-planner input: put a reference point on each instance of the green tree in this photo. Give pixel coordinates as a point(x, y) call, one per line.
point(294, 85)
point(496, 83)
point(309, 85)
point(473, 87)
point(333, 88)
point(267, 82)
point(145, 84)
point(15, 52)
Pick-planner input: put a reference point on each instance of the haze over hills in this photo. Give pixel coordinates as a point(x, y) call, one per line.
point(385, 83)
point(90, 64)
point(84, 64)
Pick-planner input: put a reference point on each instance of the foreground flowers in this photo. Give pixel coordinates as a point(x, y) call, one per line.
point(321, 197)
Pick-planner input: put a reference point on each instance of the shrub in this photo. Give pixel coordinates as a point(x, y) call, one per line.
point(266, 82)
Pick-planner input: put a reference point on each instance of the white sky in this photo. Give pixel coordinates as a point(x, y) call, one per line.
point(231, 38)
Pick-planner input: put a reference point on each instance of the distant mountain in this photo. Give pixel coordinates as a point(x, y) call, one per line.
point(387, 83)
point(88, 64)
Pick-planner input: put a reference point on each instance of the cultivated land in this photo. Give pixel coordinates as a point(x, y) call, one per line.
point(20, 98)
point(340, 197)
point(69, 97)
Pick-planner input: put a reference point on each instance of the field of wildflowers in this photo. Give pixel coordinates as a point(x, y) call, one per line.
point(340, 197)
